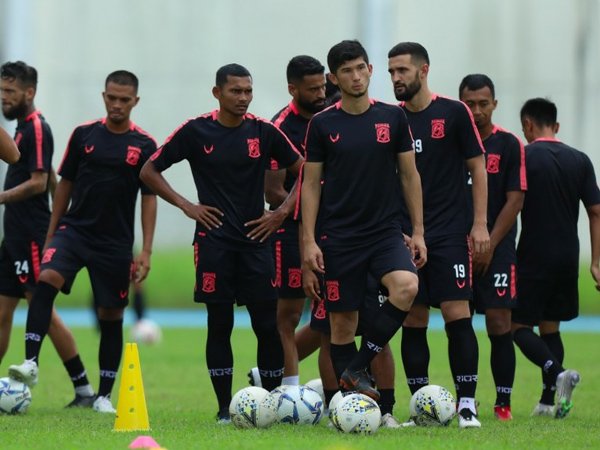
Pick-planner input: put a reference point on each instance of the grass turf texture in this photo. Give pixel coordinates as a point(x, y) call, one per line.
point(171, 283)
point(182, 406)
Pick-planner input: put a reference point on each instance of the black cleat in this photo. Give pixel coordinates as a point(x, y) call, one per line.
point(82, 402)
point(359, 380)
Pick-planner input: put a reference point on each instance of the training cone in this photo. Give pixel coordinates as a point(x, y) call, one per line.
point(144, 442)
point(132, 414)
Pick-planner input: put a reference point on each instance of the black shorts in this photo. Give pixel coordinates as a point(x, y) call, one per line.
point(231, 276)
point(110, 270)
point(347, 269)
point(553, 299)
point(447, 275)
point(497, 288)
point(19, 266)
point(286, 255)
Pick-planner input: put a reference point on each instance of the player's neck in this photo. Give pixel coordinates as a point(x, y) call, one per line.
point(303, 112)
point(30, 109)
point(420, 101)
point(486, 131)
point(117, 128)
point(229, 120)
point(355, 105)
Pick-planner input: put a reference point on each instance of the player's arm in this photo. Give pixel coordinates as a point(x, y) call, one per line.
point(594, 218)
point(311, 197)
point(148, 219)
point(275, 194)
point(413, 196)
point(479, 236)
point(9, 152)
point(36, 184)
point(60, 204)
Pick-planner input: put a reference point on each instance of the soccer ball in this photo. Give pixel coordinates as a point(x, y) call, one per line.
point(266, 415)
point(335, 400)
point(317, 385)
point(432, 406)
point(244, 406)
point(300, 405)
point(356, 413)
point(15, 396)
point(146, 331)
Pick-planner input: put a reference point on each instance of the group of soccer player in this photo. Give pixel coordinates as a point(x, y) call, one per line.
point(377, 213)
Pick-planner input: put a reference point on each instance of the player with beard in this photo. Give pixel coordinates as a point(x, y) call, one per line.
point(494, 282)
point(360, 161)
point(26, 218)
point(9, 152)
point(447, 145)
point(92, 226)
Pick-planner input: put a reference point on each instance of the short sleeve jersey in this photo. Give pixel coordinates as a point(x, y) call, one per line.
point(104, 168)
point(558, 178)
point(361, 191)
point(29, 218)
point(505, 166)
point(445, 137)
point(228, 166)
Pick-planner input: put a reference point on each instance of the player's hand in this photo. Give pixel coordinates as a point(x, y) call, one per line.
point(418, 249)
point(265, 225)
point(142, 266)
point(482, 261)
point(313, 258)
point(595, 269)
point(479, 239)
point(208, 216)
point(311, 285)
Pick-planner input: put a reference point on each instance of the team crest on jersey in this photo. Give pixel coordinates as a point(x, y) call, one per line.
point(383, 132)
point(254, 147)
point(438, 128)
point(335, 138)
point(294, 278)
point(88, 148)
point(208, 150)
point(133, 155)
point(493, 163)
point(319, 310)
point(333, 290)
point(209, 281)
point(48, 254)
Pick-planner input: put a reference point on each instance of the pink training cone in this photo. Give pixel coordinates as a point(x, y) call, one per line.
point(144, 442)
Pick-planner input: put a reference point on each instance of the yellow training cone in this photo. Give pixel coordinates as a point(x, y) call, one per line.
point(132, 414)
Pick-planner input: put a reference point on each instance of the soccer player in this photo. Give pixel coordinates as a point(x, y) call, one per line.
point(228, 151)
point(100, 180)
point(26, 218)
point(558, 176)
point(447, 144)
point(494, 282)
point(363, 151)
point(9, 152)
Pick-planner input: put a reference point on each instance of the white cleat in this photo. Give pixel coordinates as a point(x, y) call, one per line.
point(26, 373)
point(103, 405)
point(408, 423)
point(389, 421)
point(541, 409)
point(565, 383)
point(468, 419)
point(254, 377)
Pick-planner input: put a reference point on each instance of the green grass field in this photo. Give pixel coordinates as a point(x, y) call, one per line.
point(171, 282)
point(181, 404)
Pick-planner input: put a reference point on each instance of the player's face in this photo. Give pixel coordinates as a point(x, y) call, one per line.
point(481, 103)
point(15, 99)
point(119, 100)
point(353, 77)
point(235, 95)
point(406, 77)
point(309, 94)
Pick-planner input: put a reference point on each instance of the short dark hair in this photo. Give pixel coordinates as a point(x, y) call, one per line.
point(476, 81)
point(414, 49)
point(20, 71)
point(345, 51)
point(302, 65)
point(122, 77)
point(541, 111)
point(230, 70)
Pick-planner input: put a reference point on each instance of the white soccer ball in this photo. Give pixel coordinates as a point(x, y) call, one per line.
point(15, 396)
point(266, 415)
point(300, 405)
point(316, 385)
point(432, 405)
point(335, 400)
point(244, 406)
point(356, 413)
point(146, 331)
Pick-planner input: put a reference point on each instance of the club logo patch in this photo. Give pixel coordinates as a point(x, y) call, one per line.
point(382, 132)
point(254, 147)
point(208, 150)
point(438, 128)
point(493, 163)
point(209, 282)
point(319, 310)
point(335, 138)
point(48, 254)
point(133, 155)
point(333, 290)
point(88, 148)
point(294, 278)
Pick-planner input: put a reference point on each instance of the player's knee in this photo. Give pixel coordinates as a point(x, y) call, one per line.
point(404, 291)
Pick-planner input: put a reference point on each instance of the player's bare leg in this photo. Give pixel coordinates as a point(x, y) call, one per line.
point(289, 312)
point(7, 311)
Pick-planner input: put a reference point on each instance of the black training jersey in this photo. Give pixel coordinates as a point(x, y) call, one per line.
point(361, 192)
point(558, 177)
point(505, 165)
point(445, 136)
point(29, 218)
point(228, 166)
point(104, 168)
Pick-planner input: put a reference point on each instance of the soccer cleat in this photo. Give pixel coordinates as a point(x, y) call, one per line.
point(541, 409)
point(102, 404)
point(26, 373)
point(502, 413)
point(565, 383)
point(389, 421)
point(82, 401)
point(408, 423)
point(468, 419)
point(223, 417)
point(254, 377)
point(359, 381)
